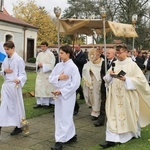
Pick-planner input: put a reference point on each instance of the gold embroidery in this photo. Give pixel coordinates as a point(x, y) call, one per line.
point(122, 119)
point(120, 97)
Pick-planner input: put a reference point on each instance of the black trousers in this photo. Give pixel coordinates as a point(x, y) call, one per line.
point(80, 91)
point(76, 107)
point(103, 101)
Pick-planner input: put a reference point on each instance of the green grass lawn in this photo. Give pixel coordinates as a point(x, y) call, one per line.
point(31, 112)
point(30, 101)
point(30, 83)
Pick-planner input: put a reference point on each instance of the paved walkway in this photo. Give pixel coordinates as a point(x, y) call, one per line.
point(41, 136)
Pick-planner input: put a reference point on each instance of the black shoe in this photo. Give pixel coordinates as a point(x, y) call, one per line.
point(98, 124)
point(75, 112)
point(51, 105)
point(37, 106)
point(107, 144)
point(16, 131)
point(57, 146)
point(46, 107)
point(73, 139)
point(93, 118)
point(81, 97)
point(100, 121)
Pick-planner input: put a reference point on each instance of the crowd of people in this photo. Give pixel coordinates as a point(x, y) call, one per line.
point(115, 88)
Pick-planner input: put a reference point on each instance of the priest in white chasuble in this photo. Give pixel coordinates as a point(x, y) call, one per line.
point(128, 100)
point(65, 78)
point(92, 82)
point(45, 62)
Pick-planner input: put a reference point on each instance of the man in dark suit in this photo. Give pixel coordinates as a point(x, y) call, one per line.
point(79, 59)
point(138, 59)
point(110, 59)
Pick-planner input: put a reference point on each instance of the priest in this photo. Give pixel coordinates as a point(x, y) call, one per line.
point(127, 104)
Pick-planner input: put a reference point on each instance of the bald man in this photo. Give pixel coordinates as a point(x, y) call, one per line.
point(110, 54)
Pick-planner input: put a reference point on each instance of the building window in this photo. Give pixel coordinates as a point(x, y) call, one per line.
point(9, 37)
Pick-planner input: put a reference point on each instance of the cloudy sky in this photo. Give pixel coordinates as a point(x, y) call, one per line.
point(48, 4)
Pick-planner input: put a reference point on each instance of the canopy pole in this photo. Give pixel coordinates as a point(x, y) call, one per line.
point(58, 36)
point(73, 42)
point(134, 20)
point(92, 41)
point(104, 32)
point(57, 11)
point(103, 15)
point(133, 45)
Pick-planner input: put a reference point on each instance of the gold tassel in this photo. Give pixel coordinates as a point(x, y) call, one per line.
point(25, 126)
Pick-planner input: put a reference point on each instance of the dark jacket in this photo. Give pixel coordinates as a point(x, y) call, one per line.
point(102, 73)
point(80, 60)
point(140, 62)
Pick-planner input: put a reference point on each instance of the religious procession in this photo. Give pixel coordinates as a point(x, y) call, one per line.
point(74, 95)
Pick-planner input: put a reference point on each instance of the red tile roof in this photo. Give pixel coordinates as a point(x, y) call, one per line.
point(5, 17)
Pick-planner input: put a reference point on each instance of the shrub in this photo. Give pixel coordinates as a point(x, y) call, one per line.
point(31, 60)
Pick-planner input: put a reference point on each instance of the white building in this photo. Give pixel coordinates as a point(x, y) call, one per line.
point(23, 34)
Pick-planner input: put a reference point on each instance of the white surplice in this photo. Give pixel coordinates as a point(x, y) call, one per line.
point(43, 88)
point(64, 103)
point(12, 105)
point(127, 104)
